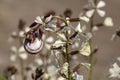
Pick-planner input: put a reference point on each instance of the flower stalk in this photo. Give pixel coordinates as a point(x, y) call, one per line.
point(67, 56)
point(91, 56)
point(90, 43)
point(22, 69)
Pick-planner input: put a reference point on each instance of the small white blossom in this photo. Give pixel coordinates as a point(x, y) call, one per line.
point(64, 69)
point(114, 71)
point(86, 51)
point(108, 22)
point(48, 19)
point(38, 20)
point(100, 5)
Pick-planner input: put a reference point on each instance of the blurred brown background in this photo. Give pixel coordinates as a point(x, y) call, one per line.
point(12, 10)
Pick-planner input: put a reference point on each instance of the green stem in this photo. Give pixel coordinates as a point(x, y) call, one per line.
point(22, 69)
point(67, 56)
point(90, 43)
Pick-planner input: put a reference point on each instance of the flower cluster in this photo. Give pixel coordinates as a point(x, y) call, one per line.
point(57, 43)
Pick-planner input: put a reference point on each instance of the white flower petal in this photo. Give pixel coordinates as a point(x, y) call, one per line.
point(61, 36)
point(86, 51)
point(101, 4)
point(27, 29)
point(23, 56)
point(13, 49)
point(58, 43)
point(49, 29)
point(101, 12)
point(84, 28)
point(48, 19)
point(13, 57)
point(90, 13)
point(48, 46)
point(108, 22)
point(84, 18)
point(95, 28)
point(50, 39)
point(21, 34)
point(78, 28)
point(38, 20)
point(64, 69)
point(21, 49)
point(39, 61)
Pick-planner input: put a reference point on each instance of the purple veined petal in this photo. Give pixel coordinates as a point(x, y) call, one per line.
point(33, 47)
